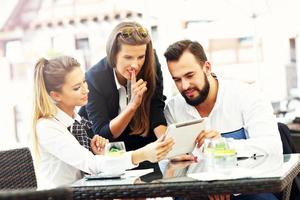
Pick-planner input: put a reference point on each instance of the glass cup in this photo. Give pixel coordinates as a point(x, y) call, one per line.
point(113, 152)
point(225, 158)
point(114, 149)
point(208, 153)
point(219, 154)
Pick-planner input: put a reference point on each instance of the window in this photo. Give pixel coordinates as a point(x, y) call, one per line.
point(82, 43)
point(234, 50)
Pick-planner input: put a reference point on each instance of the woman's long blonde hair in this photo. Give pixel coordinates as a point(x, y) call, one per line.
point(49, 75)
point(140, 123)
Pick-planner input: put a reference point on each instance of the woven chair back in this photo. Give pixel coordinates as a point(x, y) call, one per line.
point(31, 194)
point(16, 169)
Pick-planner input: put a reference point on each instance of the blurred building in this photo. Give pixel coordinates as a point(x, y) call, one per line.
point(48, 28)
point(255, 41)
point(77, 27)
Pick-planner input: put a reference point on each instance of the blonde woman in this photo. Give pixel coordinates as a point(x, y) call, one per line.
point(126, 100)
point(59, 86)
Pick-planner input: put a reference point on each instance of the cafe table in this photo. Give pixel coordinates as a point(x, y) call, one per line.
point(196, 180)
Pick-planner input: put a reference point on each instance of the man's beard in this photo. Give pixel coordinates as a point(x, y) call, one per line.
point(202, 94)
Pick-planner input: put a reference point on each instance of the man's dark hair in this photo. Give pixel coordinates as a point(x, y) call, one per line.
point(175, 50)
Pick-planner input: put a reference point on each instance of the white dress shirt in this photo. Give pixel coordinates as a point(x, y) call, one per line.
point(238, 105)
point(123, 96)
point(62, 158)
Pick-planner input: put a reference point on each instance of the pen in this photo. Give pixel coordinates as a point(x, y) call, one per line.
point(254, 156)
point(163, 137)
point(130, 83)
point(128, 91)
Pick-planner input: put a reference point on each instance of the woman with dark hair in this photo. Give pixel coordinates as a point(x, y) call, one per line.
point(126, 98)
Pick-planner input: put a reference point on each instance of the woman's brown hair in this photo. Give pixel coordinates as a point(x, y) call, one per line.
point(132, 33)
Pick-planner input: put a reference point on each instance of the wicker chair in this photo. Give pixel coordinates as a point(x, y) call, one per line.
point(54, 194)
point(17, 171)
point(292, 191)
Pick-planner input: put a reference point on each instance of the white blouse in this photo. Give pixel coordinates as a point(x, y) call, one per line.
point(62, 158)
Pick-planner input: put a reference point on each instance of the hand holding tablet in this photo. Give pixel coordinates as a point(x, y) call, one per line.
point(184, 135)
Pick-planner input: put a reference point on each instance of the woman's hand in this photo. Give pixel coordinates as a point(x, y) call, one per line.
point(154, 151)
point(98, 144)
point(158, 150)
point(206, 134)
point(138, 89)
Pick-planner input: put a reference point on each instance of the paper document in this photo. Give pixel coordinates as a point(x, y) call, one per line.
point(211, 176)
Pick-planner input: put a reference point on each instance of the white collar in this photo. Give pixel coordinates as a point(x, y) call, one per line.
point(116, 80)
point(220, 93)
point(65, 119)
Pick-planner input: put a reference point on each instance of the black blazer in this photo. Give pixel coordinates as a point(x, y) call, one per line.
point(103, 104)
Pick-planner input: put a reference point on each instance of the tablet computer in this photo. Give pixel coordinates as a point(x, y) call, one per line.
point(184, 135)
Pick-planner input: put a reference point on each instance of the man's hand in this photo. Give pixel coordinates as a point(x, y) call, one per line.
point(206, 134)
point(184, 157)
point(174, 166)
point(98, 144)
